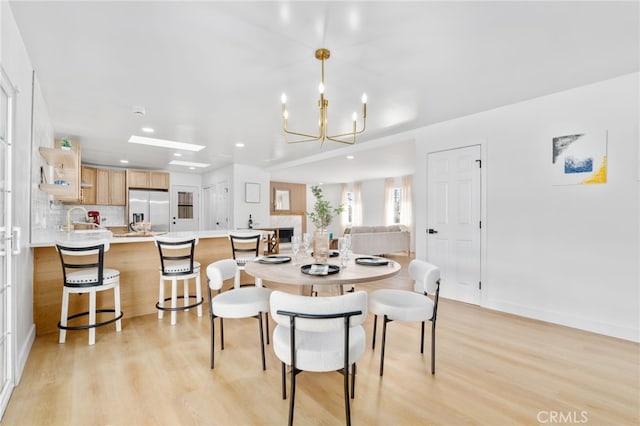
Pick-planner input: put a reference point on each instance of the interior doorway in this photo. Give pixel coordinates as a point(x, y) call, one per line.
point(185, 208)
point(453, 218)
point(215, 211)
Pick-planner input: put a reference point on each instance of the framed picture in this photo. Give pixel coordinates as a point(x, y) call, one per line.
point(580, 158)
point(281, 200)
point(252, 192)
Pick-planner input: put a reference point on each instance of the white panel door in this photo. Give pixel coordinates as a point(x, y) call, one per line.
point(453, 235)
point(6, 275)
point(185, 208)
point(209, 208)
point(222, 205)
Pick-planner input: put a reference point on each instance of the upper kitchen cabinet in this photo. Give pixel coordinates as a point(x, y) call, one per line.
point(62, 180)
point(146, 179)
point(158, 180)
point(110, 187)
point(88, 185)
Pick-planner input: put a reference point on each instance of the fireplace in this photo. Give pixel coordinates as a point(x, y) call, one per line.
point(287, 225)
point(285, 234)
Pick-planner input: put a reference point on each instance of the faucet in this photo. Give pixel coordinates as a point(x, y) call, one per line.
point(69, 226)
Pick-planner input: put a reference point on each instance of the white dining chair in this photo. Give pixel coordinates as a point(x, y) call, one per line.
point(319, 334)
point(241, 302)
point(409, 306)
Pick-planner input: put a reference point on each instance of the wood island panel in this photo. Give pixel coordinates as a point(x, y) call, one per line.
point(138, 263)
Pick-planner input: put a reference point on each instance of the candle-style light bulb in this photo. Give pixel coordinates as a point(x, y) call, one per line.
point(321, 88)
point(283, 98)
point(353, 116)
point(364, 98)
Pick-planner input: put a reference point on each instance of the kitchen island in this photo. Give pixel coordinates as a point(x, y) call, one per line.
point(136, 258)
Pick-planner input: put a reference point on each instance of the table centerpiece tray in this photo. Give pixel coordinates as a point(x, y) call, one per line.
point(371, 261)
point(274, 259)
point(332, 253)
point(319, 269)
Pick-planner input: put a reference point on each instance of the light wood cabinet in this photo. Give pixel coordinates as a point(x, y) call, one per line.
point(117, 187)
point(110, 187)
point(145, 179)
point(64, 168)
point(137, 179)
point(158, 180)
point(88, 185)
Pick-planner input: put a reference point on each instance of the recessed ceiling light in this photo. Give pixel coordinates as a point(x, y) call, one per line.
point(177, 154)
point(240, 145)
point(187, 163)
point(147, 130)
point(124, 161)
point(192, 168)
point(350, 157)
point(163, 143)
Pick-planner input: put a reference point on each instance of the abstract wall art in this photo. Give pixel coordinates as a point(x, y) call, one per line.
point(580, 159)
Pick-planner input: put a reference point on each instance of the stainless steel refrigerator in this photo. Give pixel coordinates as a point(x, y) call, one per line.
point(150, 206)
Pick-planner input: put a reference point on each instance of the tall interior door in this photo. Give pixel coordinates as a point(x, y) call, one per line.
point(222, 205)
point(208, 207)
point(6, 275)
point(453, 208)
point(185, 208)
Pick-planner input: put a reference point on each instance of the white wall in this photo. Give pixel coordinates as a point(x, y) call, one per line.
point(372, 193)
point(16, 63)
point(188, 179)
point(259, 211)
point(565, 254)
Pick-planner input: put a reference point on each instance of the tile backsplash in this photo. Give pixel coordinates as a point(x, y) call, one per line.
point(51, 215)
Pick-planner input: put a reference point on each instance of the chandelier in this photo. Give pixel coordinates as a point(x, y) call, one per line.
point(323, 104)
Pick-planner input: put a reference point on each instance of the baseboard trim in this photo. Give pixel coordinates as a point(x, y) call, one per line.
point(23, 354)
point(581, 323)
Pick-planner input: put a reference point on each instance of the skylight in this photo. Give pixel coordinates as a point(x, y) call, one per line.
point(163, 143)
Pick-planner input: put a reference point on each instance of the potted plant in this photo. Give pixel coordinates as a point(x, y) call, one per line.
point(65, 144)
point(321, 217)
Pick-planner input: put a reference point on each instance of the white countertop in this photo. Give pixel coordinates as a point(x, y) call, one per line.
point(44, 238)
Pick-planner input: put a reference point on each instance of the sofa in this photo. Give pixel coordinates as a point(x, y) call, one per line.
point(378, 240)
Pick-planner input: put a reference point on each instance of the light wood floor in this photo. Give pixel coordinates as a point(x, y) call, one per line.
point(491, 369)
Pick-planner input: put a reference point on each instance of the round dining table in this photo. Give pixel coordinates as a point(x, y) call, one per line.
point(291, 273)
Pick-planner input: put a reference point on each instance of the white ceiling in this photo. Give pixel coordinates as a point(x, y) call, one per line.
point(212, 73)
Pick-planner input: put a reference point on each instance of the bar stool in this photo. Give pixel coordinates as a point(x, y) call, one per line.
point(177, 263)
point(83, 271)
point(245, 247)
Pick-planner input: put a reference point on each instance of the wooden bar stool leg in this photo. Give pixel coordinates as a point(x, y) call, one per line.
point(199, 294)
point(116, 300)
point(92, 317)
point(161, 299)
point(63, 315)
point(174, 299)
point(185, 293)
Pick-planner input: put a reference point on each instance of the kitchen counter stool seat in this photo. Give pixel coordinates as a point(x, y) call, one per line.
point(83, 271)
point(177, 263)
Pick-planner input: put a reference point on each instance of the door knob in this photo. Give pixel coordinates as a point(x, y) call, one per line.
point(432, 231)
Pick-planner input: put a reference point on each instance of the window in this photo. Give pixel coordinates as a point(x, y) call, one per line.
point(185, 205)
point(349, 207)
point(397, 204)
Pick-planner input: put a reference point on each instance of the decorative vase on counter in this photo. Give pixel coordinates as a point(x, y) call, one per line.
point(321, 245)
